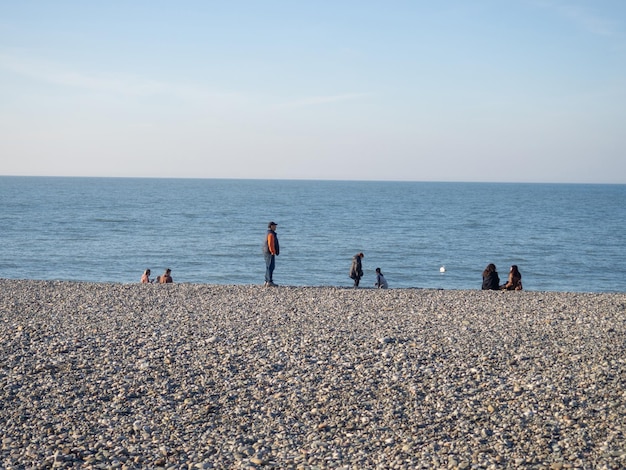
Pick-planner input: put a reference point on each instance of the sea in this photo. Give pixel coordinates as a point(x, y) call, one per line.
point(563, 237)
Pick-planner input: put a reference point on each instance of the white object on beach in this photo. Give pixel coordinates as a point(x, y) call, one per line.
point(442, 269)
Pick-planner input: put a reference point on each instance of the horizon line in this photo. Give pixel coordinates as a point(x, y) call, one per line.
point(339, 180)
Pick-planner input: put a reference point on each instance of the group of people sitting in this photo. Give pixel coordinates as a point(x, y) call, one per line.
point(165, 278)
point(491, 280)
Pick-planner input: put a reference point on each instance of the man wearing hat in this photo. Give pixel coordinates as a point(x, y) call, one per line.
point(270, 251)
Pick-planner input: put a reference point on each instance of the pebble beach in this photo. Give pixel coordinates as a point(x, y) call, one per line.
point(221, 376)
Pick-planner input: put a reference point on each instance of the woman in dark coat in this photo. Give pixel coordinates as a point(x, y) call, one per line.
point(356, 270)
point(491, 280)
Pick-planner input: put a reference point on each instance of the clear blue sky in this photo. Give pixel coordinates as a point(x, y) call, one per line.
point(451, 90)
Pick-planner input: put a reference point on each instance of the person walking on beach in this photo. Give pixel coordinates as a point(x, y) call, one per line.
point(271, 250)
point(356, 270)
point(381, 282)
point(491, 280)
point(145, 277)
point(166, 277)
point(515, 279)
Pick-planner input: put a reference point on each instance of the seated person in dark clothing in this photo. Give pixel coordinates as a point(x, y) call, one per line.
point(491, 280)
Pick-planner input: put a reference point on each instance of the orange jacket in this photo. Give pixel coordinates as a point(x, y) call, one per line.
point(272, 242)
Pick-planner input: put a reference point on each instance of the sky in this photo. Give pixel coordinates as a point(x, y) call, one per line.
point(450, 90)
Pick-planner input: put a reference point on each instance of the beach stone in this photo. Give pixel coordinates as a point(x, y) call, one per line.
point(198, 376)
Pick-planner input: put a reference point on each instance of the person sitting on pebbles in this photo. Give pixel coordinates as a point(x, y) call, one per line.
point(166, 277)
point(491, 280)
point(515, 280)
point(145, 277)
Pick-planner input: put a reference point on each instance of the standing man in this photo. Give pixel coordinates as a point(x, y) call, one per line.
point(271, 249)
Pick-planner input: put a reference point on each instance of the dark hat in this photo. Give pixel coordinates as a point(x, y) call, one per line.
point(271, 223)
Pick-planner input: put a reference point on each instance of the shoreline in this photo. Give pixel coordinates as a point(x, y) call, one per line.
point(286, 286)
point(242, 376)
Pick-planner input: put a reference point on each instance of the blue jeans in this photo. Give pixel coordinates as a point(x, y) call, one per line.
point(270, 263)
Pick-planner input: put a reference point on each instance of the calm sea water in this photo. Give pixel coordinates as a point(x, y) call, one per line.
point(563, 237)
